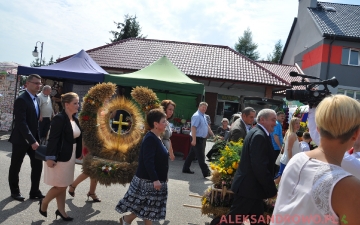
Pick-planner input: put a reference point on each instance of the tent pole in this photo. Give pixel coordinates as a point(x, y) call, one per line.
point(16, 84)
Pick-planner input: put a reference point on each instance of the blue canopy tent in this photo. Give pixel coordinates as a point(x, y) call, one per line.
point(80, 68)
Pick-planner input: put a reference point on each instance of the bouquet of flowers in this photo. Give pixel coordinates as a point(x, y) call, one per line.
point(303, 127)
point(107, 169)
point(226, 164)
point(218, 199)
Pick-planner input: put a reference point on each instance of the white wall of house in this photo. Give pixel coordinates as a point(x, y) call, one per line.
point(306, 33)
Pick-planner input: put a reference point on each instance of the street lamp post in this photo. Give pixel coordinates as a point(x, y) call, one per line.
point(35, 52)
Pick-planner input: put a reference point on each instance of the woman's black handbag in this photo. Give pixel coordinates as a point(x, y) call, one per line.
point(40, 152)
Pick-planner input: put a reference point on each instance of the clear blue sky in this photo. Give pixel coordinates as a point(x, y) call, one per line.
point(67, 26)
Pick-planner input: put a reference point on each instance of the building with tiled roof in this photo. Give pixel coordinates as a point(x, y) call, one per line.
point(283, 71)
point(227, 75)
point(324, 41)
point(200, 62)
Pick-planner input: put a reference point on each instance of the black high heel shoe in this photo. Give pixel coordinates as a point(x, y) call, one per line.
point(58, 213)
point(94, 197)
point(41, 212)
point(72, 193)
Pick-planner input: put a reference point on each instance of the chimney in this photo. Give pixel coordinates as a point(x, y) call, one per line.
point(308, 3)
point(304, 5)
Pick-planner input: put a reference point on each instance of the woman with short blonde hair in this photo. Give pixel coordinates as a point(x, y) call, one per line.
point(313, 183)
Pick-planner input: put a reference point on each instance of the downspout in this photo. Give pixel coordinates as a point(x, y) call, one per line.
point(328, 62)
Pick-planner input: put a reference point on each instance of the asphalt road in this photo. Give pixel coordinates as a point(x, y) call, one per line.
point(86, 212)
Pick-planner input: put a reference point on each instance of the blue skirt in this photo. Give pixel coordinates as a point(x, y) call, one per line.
point(144, 201)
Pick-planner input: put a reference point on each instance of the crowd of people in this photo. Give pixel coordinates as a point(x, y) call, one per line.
point(307, 182)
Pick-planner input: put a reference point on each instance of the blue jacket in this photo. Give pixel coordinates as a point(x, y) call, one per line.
point(153, 159)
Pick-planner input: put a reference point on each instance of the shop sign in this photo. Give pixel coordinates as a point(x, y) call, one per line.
point(228, 98)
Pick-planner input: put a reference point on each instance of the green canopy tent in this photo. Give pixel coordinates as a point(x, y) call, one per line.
point(160, 75)
point(167, 81)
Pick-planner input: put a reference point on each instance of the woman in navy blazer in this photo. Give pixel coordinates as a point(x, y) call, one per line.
point(147, 195)
point(64, 146)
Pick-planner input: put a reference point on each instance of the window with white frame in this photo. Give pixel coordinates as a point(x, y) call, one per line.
point(350, 56)
point(351, 93)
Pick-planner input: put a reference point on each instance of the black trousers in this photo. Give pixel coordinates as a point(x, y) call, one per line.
point(44, 127)
point(242, 207)
point(197, 151)
point(17, 157)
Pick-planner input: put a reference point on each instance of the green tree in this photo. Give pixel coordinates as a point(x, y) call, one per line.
point(36, 62)
point(246, 46)
point(276, 54)
point(51, 61)
point(128, 29)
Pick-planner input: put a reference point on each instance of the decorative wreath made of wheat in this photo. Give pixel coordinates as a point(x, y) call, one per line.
point(113, 155)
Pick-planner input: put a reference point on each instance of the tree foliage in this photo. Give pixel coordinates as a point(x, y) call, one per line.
point(36, 62)
point(128, 29)
point(276, 54)
point(246, 46)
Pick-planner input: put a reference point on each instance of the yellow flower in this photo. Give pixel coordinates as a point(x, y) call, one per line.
point(222, 158)
point(235, 165)
point(204, 201)
point(230, 171)
point(212, 166)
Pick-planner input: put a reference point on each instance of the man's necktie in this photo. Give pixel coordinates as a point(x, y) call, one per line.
point(36, 106)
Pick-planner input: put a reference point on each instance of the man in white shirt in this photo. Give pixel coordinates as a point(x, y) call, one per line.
point(46, 112)
point(350, 163)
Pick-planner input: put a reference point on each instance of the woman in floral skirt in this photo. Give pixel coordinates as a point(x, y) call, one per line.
point(147, 194)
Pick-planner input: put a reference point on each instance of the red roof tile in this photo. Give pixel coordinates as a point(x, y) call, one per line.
point(198, 60)
point(283, 72)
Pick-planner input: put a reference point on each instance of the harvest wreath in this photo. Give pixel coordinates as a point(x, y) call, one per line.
point(112, 157)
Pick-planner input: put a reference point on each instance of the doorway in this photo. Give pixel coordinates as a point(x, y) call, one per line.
point(225, 110)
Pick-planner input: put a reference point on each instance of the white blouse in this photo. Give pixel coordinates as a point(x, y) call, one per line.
point(305, 191)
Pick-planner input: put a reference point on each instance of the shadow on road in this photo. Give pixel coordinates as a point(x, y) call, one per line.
point(18, 208)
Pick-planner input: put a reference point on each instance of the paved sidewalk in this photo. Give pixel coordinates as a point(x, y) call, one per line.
point(87, 212)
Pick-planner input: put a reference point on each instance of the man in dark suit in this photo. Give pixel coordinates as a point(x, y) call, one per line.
point(241, 126)
point(254, 180)
point(25, 139)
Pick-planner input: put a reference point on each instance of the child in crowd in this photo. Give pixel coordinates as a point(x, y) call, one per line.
point(305, 143)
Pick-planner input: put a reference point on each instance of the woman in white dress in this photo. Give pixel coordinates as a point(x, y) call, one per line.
point(314, 189)
point(63, 148)
point(169, 107)
point(292, 146)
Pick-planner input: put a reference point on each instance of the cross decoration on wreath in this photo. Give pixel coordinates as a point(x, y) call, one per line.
point(120, 123)
point(107, 148)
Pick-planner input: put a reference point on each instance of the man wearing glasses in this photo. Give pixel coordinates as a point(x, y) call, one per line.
point(25, 139)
